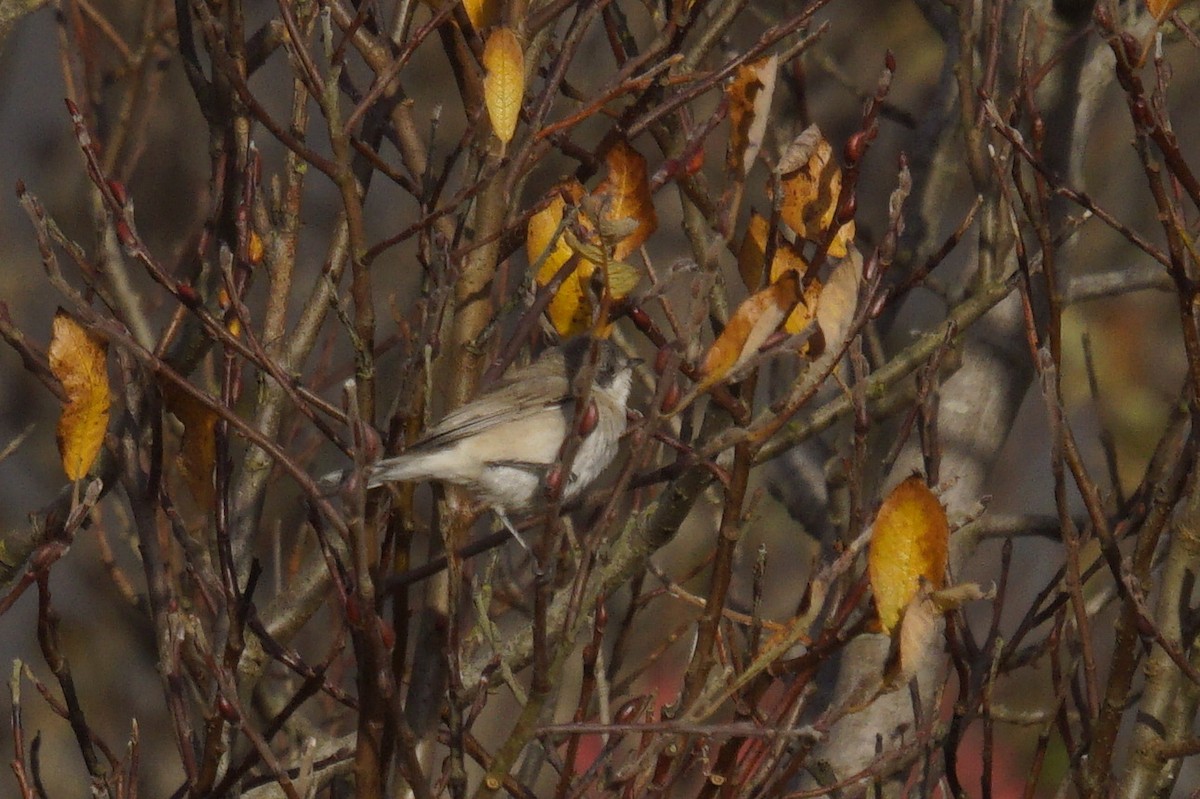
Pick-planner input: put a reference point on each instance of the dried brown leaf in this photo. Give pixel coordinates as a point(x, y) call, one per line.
point(749, 94)
point(198, 447)
point(839, 299)
point(918, 642)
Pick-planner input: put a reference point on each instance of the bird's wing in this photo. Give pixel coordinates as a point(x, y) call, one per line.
point(522, 397)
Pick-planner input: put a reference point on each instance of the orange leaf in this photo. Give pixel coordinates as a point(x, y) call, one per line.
point(749, 94)
point(754, 252)
point(626, 196)
point(787, 259)
point(77, 359)
point(812, 182)
point(751, 324)
point(482, 13)
point(1161, 8)
point(910, 541)
point(198, 449)
point(504, 85)
point(804, 311)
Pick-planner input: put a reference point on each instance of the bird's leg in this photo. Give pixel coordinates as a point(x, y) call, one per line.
point(512, 529)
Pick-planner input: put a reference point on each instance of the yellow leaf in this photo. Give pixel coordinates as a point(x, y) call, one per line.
point(482, 13)
point(751, 324)
point(749, 94)
point(504, 85)
point(77, 359)
point(910, 541)
point(544, 242)
point(812, 183)
point(255, 250)
point(625, 192)
point(571, 309)
point(198, 449)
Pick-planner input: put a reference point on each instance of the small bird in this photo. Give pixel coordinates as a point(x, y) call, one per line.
point(503, 444)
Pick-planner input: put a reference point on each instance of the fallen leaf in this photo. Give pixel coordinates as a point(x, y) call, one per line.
point(811, 184)
point(78, 360)
point(625, 195)
point(198, 447)
point(752, 323)
point(504, 84)
point(909, 541)
point(749, 94)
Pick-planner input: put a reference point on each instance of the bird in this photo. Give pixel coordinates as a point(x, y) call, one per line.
point(502, 445)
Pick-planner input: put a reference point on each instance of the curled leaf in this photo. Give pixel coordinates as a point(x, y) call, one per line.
point(752, 323)
point(811, 185)
point(749, 94)
point(78, 360)
point(909, 542)
point(504, 84)
point(839, 299)
point(918, 641)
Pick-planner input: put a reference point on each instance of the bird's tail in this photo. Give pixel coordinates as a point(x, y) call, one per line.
point(398, 469)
